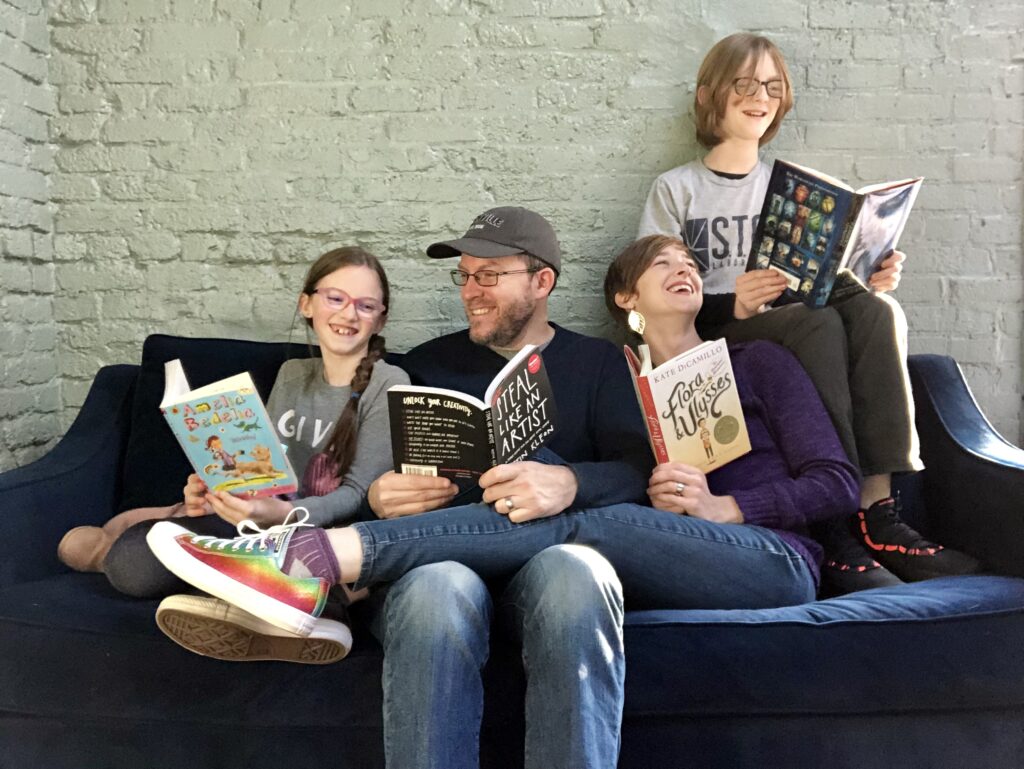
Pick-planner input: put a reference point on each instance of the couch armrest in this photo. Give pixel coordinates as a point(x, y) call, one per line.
point(974, 479)
point(77, 482)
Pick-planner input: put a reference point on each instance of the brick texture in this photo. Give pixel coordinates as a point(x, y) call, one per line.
point(203, 154)
point(30, 394)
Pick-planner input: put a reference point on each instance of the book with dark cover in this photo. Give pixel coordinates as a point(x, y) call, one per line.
point(435, 431)
point(691, 406)
point(812, 226)
point(227, 435)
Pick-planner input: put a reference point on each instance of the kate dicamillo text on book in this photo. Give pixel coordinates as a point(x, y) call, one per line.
point(812, 226)
point(226, 434)
point(691, 406)
point(435, 431)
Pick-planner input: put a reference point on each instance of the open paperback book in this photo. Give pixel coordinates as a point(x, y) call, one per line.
point(812, 226)
point(435, 431)
point(227, 435)
point(691, 406)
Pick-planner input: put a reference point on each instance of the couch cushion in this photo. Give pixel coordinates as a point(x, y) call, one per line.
point(943, 645)
point(155, 467)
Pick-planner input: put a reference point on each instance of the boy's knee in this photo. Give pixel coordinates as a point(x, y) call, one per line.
point(438, 601)
point(571, 580)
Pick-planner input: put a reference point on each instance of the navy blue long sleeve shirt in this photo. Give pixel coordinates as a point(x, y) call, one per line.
point(599, 433)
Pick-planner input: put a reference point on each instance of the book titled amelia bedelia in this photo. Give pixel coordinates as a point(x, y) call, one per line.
point(812, 226)
point(691, 406)
point(227, 434)
point(440, 432)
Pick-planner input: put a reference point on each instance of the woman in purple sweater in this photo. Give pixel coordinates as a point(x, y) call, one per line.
point(734, 539)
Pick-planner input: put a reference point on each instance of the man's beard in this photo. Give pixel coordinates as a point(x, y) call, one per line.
point(509, 325)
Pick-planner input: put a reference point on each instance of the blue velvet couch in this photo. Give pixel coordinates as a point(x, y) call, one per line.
point(927, 675)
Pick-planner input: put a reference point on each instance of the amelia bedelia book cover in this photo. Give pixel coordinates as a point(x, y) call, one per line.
point(812, 226)
point(435, 431)
point(227, 434)
point(691, 406)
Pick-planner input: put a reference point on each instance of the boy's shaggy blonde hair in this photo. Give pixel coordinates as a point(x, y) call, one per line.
point(730, 58)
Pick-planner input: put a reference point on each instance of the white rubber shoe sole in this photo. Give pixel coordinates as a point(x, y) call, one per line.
point(213, 628)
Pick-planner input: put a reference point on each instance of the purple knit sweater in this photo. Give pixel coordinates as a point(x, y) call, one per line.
point(796, 472)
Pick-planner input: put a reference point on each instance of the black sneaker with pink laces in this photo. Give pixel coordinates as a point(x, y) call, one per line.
point(905, 552)
point(848, 567)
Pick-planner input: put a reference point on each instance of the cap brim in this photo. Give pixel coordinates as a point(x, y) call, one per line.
point(485, 249)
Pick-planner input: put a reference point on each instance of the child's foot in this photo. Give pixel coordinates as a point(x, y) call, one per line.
point(249, 571)
point(214, 628)
point(905, 552)
point(84, 548)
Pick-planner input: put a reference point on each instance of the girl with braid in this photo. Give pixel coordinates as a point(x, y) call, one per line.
point(331, 414)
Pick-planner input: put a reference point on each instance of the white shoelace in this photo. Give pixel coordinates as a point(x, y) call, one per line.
point(250, 534)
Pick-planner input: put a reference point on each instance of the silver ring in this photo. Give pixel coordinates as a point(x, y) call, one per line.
point(509, 506)
point(679, 488)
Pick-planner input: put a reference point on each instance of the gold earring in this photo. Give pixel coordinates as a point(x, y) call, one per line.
point(636, 322)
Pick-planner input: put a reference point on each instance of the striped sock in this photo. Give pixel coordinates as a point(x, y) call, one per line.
point(310, 555)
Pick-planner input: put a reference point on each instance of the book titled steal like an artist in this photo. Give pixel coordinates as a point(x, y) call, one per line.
point(691, 406)
point(435, 431)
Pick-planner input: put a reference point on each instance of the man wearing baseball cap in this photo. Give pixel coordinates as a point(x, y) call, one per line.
point(565, 604)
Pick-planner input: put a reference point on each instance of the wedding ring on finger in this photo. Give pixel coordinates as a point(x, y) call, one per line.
point(679, 488)
point(509, 505)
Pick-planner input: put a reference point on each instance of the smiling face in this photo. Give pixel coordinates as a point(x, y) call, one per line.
point(669, 288)
point(499, 315)
point(746, 118)
point(344, 332)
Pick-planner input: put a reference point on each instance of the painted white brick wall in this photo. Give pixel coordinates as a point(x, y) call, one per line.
point(206, 152)
point(30, 401)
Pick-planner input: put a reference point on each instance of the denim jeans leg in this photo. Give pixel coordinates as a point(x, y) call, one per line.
point(664, 560)
point(565, 607)
point(435, 630)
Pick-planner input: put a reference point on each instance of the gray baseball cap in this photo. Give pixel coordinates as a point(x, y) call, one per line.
point(505, 231)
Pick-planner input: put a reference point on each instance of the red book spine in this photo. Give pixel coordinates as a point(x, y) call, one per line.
point(643, 388)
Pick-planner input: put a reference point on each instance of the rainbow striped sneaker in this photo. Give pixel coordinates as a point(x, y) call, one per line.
point(247, 571)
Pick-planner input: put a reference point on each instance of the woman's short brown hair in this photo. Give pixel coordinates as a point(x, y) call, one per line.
point(626, 269)
point(727, 60)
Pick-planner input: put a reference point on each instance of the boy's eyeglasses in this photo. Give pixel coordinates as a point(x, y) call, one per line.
point(749, 86)
point(337, 299)
point(483, 277)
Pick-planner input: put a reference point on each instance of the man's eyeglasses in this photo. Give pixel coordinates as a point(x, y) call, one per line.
point(337, 299)
point(749, 86)
point(483, 277)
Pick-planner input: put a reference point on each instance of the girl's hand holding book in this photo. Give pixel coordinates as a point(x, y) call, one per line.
point(262, 510)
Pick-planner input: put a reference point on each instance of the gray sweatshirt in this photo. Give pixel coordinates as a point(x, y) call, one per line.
point(305, 408)
point(716, 217)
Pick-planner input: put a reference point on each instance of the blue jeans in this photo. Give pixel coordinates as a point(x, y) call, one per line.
point(565, 607)
point(664, 560)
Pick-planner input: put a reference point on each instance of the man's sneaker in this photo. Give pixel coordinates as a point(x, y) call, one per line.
point(848, 567)
point(905, 552)
point(247, 571)
point(214, 628)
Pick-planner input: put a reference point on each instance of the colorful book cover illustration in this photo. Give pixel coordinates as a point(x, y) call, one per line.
point(812, 226)
point(227, 435)
point(691, 406)
point(435, 431)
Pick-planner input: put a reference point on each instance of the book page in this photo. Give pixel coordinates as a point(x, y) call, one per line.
point(880, 223)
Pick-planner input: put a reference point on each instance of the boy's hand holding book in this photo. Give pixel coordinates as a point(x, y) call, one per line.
point(755, 290)
point(887, 277)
